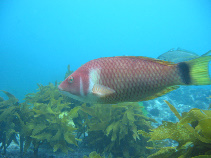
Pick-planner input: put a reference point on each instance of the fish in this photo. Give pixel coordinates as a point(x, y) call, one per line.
point(180, 55)
point(112, 80)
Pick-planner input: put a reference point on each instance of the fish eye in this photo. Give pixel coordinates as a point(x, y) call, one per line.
point(70, 79)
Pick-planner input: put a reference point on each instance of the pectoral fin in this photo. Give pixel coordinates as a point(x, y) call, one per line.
point(102, 91)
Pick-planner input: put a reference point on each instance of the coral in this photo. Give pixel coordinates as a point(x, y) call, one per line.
point(192, 132)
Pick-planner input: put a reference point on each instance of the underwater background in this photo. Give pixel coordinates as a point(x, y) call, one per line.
point(39, 39)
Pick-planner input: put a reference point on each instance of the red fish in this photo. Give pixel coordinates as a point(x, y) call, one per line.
point(131, 79)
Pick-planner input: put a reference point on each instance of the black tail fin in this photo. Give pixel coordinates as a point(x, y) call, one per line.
point(196, 71)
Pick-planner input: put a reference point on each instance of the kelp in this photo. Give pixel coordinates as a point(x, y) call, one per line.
point(192, 132)
point(49, 118)
point(94, 154)
point(210, 103)
point(12, 100)
point(44, 94)
point(113, 128)
point(46, 117)
point(8, 120)
point(51, 125)
point(69, 72)
point(52, 120)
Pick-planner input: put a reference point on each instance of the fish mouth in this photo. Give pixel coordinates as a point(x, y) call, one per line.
point(60, 88)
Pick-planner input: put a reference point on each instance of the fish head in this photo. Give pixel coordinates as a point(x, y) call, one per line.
point(83, 85)
point(76, 84)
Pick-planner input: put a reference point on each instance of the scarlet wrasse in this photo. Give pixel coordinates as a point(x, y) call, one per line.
point(131, 79)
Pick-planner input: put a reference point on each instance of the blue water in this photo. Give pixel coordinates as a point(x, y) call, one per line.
point(38, 39)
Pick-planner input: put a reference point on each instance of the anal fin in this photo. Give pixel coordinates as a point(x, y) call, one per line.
point(164, 91)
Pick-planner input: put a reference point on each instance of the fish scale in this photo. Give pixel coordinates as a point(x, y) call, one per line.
point(129, 79)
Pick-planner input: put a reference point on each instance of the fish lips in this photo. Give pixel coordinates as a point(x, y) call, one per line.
point(60, 88)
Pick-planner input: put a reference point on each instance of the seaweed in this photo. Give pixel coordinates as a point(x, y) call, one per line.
point(8, 120)
point(51, 126)
point(69, 72)
point(52, 121)
point(113, 128)
point(192, 132)
point(44, 94)
point(55, 121)
point(46, 117)
point(94, 154)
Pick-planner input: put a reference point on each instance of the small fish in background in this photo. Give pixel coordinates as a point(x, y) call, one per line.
point(180, 55)
point(131, 79)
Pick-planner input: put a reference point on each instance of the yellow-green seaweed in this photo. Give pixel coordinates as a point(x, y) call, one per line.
point(8, 120)
point(45, 117)
point(94, 154)
point(113, 128)
point(192, 132)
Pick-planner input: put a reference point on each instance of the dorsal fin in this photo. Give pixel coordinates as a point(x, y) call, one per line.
point(164, 91)
point(186, 51)
point(148, 59)
point(207, 53)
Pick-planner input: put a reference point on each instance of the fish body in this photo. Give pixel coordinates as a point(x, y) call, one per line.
point(179, 55)
point(124, 79)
